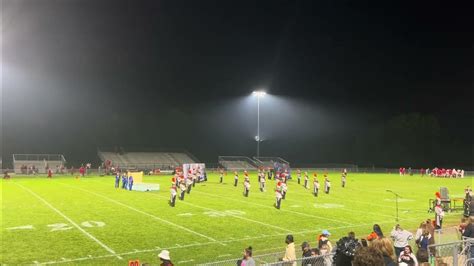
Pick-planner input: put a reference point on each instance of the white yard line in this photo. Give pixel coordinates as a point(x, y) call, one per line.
point(148, 214)
point(184, 261)
point(69, 220)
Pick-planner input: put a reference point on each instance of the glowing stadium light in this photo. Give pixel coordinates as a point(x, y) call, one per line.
point(259, 93)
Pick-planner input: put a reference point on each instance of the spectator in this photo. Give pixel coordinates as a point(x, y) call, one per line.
point(422, 255)
point(424, 240)
point(463, 225)
point(325, 251)
point(430, 228)
point(401, 238)
point(290, 253)
point(419, 231)
point(407, 258)
point(385, 246)
point(309, 254)
point(306, 249)
point(248, 260)
point(165, 258)
point(345, 250)
point(368, 256)
point(323, 239)
point(469, 232)
point(377, 233)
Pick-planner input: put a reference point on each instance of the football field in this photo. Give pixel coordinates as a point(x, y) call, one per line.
point(87, 221)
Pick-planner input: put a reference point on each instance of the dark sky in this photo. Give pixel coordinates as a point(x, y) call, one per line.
point(77, 75)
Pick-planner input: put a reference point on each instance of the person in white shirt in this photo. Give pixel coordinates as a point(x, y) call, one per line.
point(174, 192)
point(439, 215)
point(400, 238)
point(315, 187)
point(246, 187)
point(262, 183)
point(306, 179)
point(327, 184)
point(182, 188)
point(278, 195)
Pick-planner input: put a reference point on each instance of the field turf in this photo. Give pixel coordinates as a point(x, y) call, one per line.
point(87, 221)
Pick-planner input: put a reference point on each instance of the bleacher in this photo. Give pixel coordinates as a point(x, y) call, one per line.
point(146, 160)
point(270, 161)
point(237, 163)
point(39, 161)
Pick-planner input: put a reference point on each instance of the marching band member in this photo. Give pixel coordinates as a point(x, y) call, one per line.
point(306, 179)
point(173, 191)
point(194, 177)
point(315, 187)
point(284, 188)
point(327, 184)
point(343, 179)
point(221, 177)
point(262, 183)
point(182, 188)
point(246, 186)
point(189, 184)
point(278, 195)
point(117, 180)
point(236, 178)
point(298, 175)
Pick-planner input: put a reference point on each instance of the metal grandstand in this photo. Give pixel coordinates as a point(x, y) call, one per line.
point(146, 159)
point(237, 163)
point(270, 161)
point(23, 163)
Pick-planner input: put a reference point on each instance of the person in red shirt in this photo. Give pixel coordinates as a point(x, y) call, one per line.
point(422, 172)
point(50, 173)
point(82, 171)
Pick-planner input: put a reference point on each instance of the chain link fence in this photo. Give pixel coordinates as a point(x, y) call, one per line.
point(275, 259)
point(454, 253)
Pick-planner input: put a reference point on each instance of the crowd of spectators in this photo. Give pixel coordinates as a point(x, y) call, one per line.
point(376, 249)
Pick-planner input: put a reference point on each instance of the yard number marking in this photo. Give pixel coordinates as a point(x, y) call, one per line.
point(59, 227)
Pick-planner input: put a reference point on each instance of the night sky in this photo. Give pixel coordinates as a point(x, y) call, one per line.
point(370, 83)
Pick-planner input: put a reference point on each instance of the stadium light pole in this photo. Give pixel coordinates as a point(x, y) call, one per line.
point(396, 200)
point(259, 94)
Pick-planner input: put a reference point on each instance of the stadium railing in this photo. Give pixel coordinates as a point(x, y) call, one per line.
point(453, 253)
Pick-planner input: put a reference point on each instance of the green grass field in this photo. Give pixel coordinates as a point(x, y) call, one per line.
point(88, 221)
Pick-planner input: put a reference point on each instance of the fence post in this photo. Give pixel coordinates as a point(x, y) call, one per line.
point(455, 255)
